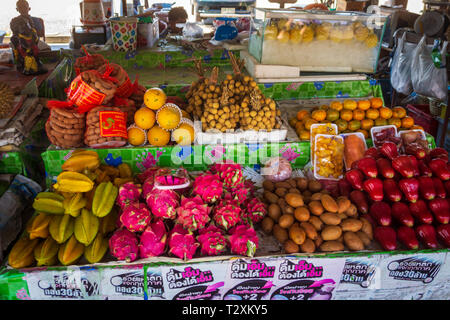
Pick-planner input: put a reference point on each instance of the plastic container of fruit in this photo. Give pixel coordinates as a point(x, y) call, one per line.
point(360, 135)
point(374, 130)
point(422, 133)
point(317, 160)
point(333, 130)
point(240, 136)
point(172, 179)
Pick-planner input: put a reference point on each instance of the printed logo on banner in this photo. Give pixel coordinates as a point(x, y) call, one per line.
point(358, 272)
point(414, 269)
point(258, 285)
point(291, 270)
point(128, 283)
point(155, 288)
point(194, 283)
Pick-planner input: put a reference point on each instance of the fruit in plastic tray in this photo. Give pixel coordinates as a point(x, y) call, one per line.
point(329, 157)
point(385, 134)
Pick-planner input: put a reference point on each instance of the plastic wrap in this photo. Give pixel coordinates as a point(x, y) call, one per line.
point(401, 66)
point(277, 169)
point(328, 157)
point(426, 79)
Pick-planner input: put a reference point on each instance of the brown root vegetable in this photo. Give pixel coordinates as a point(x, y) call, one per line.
point(302, 214)
point(316, 222)
point(351, 224)
point(291, 247)
point(297, 234)
point(352, 241)
point(267, 225)
point(279, 233)
point(274, 211)
point(314, 186)
point(294, 200)
point(329, 204)
point(302, 183)
point(315, 207)
point(308, 246)
point(310, 231)
point(329, 218)
point(285, 221)
point(331, 246)
point(331, 233)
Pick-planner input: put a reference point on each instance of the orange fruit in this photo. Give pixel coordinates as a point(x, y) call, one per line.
point(299, 125)
point(358, 114)
point(302, 114)
point(136, 136)
point(364, 132)
point(385, 113)
point(304, 135)
point(144, 118)
point(332, 114)
point(309, 122)
point(168, 117)
point(381, 122)
point(367, 124)
point(292, 122)
point(319, 115)
point(336, 105)
point(350, 104)
point(354, 125)
point(416, 126)
point(341, 124)
point(407, 122)
point(346, 115)
point(154, 98)
point(363, 104)
point(323, 107)
point(372, 114)
point(398, 112)
point(158, 137)
point(376, 103)
point(396, 122)
point(184, 134)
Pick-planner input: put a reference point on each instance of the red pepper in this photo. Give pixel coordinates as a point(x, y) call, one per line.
point(368, 166)
point(373, 153)
point(387, 237)
point(415, 165)
point(440, 209)
point(427, 235)
point(403, 165)
point(389, 150)
point(424, 169)
point(443, 233)
point(391, 190)
point(416, 151)
point(355, 178)
point(344, 187)
point(359, 199)
point(438, 153)
point(439, 187)
point(410, 188)
point(385, 168)
point(381, 212)
point(400, 212)
point(374, 187)
point(439, 169)
point(407, 237)
point(426, 188)
point(420, 211)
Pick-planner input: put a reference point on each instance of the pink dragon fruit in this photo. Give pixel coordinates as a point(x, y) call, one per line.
point(229, 173)
point(163, 203)
point(123, 245)
point(150, 172)
point(240, 194)
point(209, 187)
point(135, 217)
point(171, 177)
point(182, 244)
point(212, 241)
point(250, 186)
point(128, 193)
point(227, 214)
point(255, 210)
point(243, 240)
point(148, 186)
point(153, 240)
point(193, 213)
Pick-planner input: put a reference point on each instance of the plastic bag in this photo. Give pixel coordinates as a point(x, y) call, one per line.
point(192, 30)
point(277, 169)
point(427, 80)
point(401, 66)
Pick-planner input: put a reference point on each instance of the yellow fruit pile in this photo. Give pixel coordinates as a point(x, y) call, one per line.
point(74, 219)
point(292, 32)
point(154, 122)
point(352, 116)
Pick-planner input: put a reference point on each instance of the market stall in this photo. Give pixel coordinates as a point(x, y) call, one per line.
point(174, 174)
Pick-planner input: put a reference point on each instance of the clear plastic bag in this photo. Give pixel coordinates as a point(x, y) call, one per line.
point(192, 31)
point(427, 80)
point(401, 66)
point(277, 169)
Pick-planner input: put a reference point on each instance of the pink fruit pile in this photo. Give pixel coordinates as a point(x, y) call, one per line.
point(216, 215)
point(406, 197)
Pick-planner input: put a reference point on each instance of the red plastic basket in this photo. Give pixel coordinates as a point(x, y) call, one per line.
point(422, 117)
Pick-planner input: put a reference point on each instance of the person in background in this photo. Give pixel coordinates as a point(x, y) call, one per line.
point(177, 15)
point(24, 41)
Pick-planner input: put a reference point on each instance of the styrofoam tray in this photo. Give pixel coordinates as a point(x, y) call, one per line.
point(424, 136)
point(311, 136)
point(374, 130)
point(361, 136)
point(240, 136)
point(316, 175)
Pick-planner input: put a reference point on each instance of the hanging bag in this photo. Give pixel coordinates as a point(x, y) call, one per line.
point(401, 66)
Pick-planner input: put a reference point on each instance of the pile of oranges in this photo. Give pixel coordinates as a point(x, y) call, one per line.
point(158, 121)
point(352, 116)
